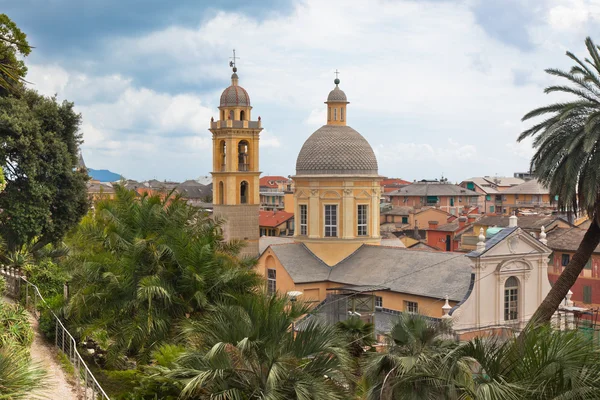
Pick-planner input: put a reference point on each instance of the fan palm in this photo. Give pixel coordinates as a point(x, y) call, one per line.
point(140, 265)
point(407, 367)
point(567, 160)
point(245, 349)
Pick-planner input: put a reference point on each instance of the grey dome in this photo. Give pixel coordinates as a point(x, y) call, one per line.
point(234, 96)
point(337, 95)
point(336, 150)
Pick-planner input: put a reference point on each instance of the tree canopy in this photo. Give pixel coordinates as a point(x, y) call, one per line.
point(45, 194)
point(13, 42)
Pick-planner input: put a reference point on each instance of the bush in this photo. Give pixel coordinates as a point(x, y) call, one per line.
point(48, 276)
point(47, 323)
point(2, 285)
point(14, 325)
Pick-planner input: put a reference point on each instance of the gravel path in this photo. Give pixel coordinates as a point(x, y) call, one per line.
point(57, 386)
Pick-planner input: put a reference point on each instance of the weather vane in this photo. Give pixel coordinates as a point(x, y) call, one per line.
point(232, 63)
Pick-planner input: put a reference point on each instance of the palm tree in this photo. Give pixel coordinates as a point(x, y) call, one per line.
point(567, 160)
point(141, 265)
point(408, 366)
point(245, 349)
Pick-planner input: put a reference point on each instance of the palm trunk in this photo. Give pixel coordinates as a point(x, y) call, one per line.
point(567, 279)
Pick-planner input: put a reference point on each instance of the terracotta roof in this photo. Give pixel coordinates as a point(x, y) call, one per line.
point(272, 219)
point(567, 239)
point(271, 181)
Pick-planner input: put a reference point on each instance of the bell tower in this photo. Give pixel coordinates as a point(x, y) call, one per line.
point(235, 173)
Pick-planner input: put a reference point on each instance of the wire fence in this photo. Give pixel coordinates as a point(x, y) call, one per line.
point(87, 385)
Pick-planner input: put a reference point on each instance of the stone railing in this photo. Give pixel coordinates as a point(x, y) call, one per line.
point(12, 276)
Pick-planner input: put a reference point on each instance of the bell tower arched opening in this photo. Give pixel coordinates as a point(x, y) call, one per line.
point(221, 192)
point(243, 156)
point(223, 154)
point(244, 192)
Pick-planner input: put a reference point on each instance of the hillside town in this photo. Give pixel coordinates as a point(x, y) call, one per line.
point(366, 264)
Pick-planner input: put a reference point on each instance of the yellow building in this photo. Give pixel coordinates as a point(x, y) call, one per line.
point(235, 166)
point(336, 246)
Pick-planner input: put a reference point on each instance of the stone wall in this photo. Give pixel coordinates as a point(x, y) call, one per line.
point(241, 223)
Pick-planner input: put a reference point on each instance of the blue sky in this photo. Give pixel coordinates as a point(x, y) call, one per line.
point(437, 87)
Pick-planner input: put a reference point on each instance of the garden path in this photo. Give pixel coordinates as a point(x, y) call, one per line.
point(57, 386)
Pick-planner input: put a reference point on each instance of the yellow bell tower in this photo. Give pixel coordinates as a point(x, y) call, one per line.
point(235, 173)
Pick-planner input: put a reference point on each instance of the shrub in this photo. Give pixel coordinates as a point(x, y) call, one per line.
point(48, 276)
point(14, 325)
point(2, 285)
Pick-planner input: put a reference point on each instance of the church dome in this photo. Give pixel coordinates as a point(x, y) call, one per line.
point(336, 150)
point(337, 95)
point(235, 95)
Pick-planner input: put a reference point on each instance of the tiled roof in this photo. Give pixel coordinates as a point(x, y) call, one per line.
point(494, 240)
point(529, 187)
point(401, 210)
point(235, 95)
point(336, 150)
point(337, 95)
point(302, 265)
point(525, 221)
point(567, 239)
point(271, 181)
point(422, 246)
point(273, 219)
point(423, 189)
point(194, 191)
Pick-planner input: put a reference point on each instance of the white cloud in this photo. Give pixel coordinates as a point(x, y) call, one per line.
point(416, 73)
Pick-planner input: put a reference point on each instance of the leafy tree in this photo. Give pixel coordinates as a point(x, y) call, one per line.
point(245, 349)
point(45, 195)
point(567, 160)
point(13, 43)
point(142, 264)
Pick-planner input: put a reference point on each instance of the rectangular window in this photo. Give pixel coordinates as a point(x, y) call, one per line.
point(411, 307)
point(378, 302)
point(342, 114)
point(330, 220)
point(362, 220)
point(491, 209)
point(303, 219)
point(488, 197)
point(263, 232)
point(510, 304)
point(470, 186)
point(271, 281)
point(335, 114)
point(405, 220)
point(587, 294)
point(565, 260)
point(516, 197)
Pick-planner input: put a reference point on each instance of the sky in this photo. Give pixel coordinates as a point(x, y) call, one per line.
point(437, 87)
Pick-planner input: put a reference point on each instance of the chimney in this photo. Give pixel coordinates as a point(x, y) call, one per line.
point(472, 218)
point(512, 221)
point(462, 221)
point(432, 224)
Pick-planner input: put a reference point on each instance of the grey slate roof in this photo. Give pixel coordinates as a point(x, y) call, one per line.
point(194, 190)
point(423, 273)
point(399, 210)
point(337, 95)
point(423, 189)
point(529, 187)
point(302, 265)
point(336, 149)
point(235, 95)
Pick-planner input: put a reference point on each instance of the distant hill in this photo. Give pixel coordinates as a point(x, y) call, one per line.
point(103, 175)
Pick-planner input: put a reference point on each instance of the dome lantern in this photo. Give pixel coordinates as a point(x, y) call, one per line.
point(336, 104)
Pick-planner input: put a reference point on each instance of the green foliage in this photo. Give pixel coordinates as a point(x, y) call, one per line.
point(13, 45)
point(244, 349)
point(47, 322)
point(48, 276)
point(18, 376)
point(14, 325)
point(359, 334)
point(2, 286)
point(45, 195)
point(142, 265)
point(568, 139)
point(65, 364)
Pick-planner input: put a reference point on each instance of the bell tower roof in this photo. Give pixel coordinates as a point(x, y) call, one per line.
point(234, 95)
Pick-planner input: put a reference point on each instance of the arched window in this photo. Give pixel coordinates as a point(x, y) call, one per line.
point(231, 115)
point(223, 154)
point(242, 115)
point(335, 114)
point(244, 192)
point(243, 156)
point(511, 299)
point(329, 117)
point(221, 192)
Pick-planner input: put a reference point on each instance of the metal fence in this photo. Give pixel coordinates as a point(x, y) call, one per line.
point(87, 385)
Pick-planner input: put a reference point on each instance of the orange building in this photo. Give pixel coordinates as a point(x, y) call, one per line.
point(530, 196)
point(445, 196)
point(276, 223)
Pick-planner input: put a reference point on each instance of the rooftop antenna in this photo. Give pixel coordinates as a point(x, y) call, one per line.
point(232, 62)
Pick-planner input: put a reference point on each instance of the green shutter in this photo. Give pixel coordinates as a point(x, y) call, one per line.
point(588, 265)
point(432, 199)
point(587, 294)
point(491, 209)
point(488, 197)
point(405, 220)
point(470, 186)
